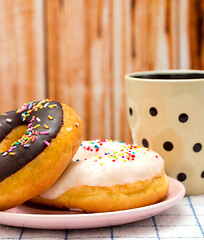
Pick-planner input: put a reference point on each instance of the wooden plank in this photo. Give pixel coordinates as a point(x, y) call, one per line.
point(78, 60)
point(154, 34)
point(172, 31)
point(22, 53)
point(184, 53)
point(99, 45)
point(121, 52)
point(162, 44)
point(139, 35)
point(152, 25)
point(196, 33)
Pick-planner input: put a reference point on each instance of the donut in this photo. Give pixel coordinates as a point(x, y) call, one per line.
point(37, 142)
point(107, 175)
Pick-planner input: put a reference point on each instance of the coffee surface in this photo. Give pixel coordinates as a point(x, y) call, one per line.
point(170, 76)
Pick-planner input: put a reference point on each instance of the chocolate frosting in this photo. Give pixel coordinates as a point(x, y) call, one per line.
point(44, 120)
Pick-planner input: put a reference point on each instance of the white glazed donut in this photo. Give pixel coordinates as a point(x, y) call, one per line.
point(107, 175)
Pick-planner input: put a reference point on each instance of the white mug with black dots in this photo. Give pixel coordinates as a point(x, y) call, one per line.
point(166, 113)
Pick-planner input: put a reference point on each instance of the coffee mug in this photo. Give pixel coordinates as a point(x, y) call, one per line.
point(166, 113)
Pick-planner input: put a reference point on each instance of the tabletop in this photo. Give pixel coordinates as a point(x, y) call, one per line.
point(185, 220)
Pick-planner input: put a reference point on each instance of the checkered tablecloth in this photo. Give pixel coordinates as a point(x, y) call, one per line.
point(185, 220)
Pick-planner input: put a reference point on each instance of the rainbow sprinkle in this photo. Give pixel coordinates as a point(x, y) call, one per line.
point(44, 133)
point(31, 134)
point(8, 120)
point(47, 143)
point(125, 152)
point(51, 118)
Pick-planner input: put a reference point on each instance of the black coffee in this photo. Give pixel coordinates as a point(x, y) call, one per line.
point(170, 76)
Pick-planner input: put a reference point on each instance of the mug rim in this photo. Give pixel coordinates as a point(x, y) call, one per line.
point(131, 76)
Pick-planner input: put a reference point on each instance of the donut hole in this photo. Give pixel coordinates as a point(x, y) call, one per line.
point(13, 136)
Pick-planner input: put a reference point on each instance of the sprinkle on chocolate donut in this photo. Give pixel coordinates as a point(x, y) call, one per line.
point(44, 120)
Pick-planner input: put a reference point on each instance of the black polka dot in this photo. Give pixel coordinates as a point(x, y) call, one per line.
point(183, 117)
point(202, 174)
point(130, 111)
point(181, 177)
point(153, 111)
point(197, 147)
point(168, 146)
point(145, 142)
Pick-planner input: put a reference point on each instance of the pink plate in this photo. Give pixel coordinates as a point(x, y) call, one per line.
point(30, 217)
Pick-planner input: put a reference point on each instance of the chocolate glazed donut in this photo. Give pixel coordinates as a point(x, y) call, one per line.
point(37, 142)
point(42, 127)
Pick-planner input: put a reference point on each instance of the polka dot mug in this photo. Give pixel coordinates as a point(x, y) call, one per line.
point(166, 113)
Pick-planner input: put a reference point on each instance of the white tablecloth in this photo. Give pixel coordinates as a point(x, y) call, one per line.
point(185, 220)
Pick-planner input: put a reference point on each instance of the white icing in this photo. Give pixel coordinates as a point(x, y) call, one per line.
point(104, 169)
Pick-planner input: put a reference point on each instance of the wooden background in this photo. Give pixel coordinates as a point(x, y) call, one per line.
point(77, 52)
